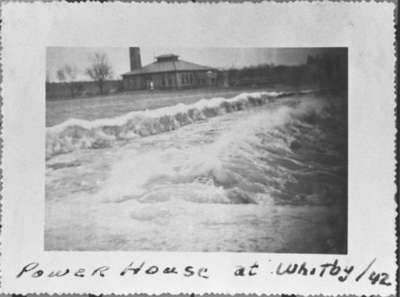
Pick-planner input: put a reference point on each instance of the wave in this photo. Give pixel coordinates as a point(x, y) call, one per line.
point(77, 134)
point(236, 168)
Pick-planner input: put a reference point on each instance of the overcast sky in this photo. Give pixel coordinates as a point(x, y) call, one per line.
point(57, 57)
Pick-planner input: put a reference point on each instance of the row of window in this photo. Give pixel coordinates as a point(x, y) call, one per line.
point(168, 80)
point(187, 78)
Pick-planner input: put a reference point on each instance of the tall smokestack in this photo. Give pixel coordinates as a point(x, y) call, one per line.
point(134, 55)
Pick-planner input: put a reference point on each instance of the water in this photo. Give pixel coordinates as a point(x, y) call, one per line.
point(261, 172)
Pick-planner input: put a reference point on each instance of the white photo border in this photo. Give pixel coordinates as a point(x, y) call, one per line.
point(366, 29)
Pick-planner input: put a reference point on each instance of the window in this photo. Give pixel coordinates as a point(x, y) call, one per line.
point(185, 78)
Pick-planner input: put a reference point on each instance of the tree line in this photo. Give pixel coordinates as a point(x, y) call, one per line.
point(99, 71)
point(328, 70)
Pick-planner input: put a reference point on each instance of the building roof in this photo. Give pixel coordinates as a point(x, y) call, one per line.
point(168, 66)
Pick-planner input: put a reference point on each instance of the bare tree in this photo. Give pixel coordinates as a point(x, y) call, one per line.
point(68, 74)
point(61, 75)
point(100, 70)
point(71, 71)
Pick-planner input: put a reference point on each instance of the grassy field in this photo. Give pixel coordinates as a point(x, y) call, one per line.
point(98, 107)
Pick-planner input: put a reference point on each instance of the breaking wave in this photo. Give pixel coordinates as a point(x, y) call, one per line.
point(77, 134)
point(276, 157)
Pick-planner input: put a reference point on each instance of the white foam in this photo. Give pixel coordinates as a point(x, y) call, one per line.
point(76, 134)
point(195, 168)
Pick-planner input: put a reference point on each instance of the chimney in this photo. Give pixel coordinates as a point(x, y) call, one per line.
point(134, 56)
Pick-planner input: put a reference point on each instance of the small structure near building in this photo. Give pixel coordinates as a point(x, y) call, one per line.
point(167, 72)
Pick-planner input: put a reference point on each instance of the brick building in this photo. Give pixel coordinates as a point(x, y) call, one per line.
point(167, 72)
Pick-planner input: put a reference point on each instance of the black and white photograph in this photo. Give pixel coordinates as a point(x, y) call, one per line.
point(196, 149)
